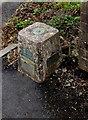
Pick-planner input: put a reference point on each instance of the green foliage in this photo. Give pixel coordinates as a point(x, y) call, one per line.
point(11, 31)
point(63, 21)
point(22, 24)
point(36, 11)
point(74, 52)
point(44, 9)
point(15, 19)
point(40, 3)
point(69, 5)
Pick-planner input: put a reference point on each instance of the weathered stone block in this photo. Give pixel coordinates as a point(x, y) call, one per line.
point(83, 37)
point(83, 7)
point(83, 53)
point(40, 51)
point(83, 63)
point(84, 26)
point(83, 42)
point(84, 18)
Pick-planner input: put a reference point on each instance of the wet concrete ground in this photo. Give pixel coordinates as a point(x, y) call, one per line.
point(21, 96)
point(24, 98)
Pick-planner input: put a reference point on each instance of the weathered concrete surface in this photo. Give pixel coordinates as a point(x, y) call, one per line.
point(21, 97)
point(8, 8)
point(83, 42)
point(7, 49)
point(41, 42)
point(0, 88)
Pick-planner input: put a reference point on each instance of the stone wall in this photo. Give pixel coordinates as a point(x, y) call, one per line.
point(83, 42)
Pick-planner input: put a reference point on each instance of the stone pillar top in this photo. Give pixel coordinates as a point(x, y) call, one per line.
point(38, 32)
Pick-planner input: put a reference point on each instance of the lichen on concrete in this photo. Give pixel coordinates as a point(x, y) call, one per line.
point(45, 47)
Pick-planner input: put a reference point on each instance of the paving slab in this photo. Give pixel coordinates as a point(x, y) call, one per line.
point(8, 8)
point(7, 49)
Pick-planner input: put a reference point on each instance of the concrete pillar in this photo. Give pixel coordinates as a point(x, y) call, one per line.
point(83, 41)
point(40, 51)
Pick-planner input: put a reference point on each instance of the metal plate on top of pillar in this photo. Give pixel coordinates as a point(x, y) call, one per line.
point(38, 30)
